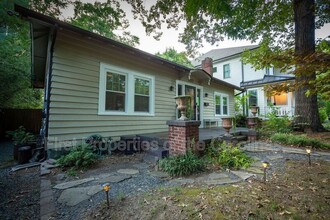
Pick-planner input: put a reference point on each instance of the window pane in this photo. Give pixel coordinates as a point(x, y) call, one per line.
point(226, 71)
point(281, 99)
point(141, 103)
point(141, 98)
point(115, 101)
point(217, 105)
point(142, 86)
point(224, 105)
point(115, 82)
point(253, 98)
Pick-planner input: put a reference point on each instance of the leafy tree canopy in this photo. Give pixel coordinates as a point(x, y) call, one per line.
point(178, 57)
point(103, 19)
point(15, 63)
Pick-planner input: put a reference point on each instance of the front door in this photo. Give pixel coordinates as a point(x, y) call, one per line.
point(193, 109)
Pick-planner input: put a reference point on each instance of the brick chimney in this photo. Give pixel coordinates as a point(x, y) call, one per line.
point(207, 65)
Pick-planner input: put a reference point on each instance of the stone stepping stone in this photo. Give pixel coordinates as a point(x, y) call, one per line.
point(257, 164)
point(142, 166)
point(74, 196)
point(218, 179)
point(74, 183)
point(183, 181)
point(158, 174)
point(243, 175)
point(128, 171)
point(275, 157)
point(112, 178)
point(221, 181)
point(256, 170)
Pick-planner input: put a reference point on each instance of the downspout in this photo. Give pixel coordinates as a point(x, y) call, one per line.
point(53, 33)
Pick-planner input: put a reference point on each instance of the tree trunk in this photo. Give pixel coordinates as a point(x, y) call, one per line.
point(306, 108)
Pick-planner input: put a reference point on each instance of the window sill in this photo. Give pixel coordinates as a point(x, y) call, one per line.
point(126, 114)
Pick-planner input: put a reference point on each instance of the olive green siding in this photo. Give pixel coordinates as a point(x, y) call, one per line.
point(75, 91)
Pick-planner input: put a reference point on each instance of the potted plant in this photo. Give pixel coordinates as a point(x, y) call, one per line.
point(182, 102)
point(21, 138)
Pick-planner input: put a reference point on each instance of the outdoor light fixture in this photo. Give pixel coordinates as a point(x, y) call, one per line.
point(206, 94)
point(309, 156)
point(171, 88)
point(265, 165)
point(106, 188)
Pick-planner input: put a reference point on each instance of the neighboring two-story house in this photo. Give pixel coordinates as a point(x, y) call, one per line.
point(227, 66)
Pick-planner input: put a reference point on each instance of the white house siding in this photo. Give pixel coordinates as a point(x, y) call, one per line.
point(235, 71)
point(251, 74)
point(75, 87)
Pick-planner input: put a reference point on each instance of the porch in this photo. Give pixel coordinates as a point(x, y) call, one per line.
point(279, 110)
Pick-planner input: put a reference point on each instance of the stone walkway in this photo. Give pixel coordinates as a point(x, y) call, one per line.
point(77, 191)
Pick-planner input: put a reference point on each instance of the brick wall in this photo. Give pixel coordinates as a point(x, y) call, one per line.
point(181, 135)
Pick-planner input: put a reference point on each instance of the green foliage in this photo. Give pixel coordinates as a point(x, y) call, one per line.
point(80, 156)
point(103, 18)
point(15, 62)
point(21, 136)
point(298, 140)
point(240, 120)
point(227, 155)
point(323, 114)
point(182, 165)
point(240, 102)
point(275, 124)
point(177, 57)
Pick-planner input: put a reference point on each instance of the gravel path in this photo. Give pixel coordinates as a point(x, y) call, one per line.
point(143, 181)
point(20, 191)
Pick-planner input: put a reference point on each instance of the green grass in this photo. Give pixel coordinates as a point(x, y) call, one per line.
point(298, 140)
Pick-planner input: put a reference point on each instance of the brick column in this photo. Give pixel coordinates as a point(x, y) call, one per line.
point(180, 135)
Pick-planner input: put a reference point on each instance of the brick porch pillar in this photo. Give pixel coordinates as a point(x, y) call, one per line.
point(181, 134)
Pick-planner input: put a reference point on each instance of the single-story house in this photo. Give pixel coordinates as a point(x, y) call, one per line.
point(95, 85)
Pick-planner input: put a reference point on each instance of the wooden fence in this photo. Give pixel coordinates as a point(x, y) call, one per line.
point(11, 119)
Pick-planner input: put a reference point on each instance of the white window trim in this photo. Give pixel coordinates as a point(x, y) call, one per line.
point(129, 90)
point(221, 104)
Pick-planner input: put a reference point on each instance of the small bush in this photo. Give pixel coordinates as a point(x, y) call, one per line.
point(182, 165)
point(323, 114)
point(79, 157)
point(228, 156)
point(240, 120)
point(275, 124)
point(21, 136)
point(298, 140)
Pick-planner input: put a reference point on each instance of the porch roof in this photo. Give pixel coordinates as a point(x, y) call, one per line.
point(268, 79)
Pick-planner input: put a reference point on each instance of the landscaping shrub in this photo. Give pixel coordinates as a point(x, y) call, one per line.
point(298, 140)
point(80, 156)
point(240, 120)
point(275, 124)
point(227, 155)
point(323, 114)
point(182, 165)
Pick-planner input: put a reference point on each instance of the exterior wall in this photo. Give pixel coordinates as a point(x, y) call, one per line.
point(75, 92)
point(235, 71)
point(251, 74)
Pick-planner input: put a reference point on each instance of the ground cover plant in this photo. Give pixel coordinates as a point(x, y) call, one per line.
point(227, 155)
point(182, 165)
point(79, 157)
point(287, 195)
point(299, 140)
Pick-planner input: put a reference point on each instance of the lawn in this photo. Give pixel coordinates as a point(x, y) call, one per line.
point(298, 192)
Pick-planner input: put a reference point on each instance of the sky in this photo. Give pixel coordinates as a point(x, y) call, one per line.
point(170, 36)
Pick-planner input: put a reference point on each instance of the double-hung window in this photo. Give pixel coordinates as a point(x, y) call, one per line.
point(253, 97)
point(221, 104)
point(125, 92)
point(226, 71)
